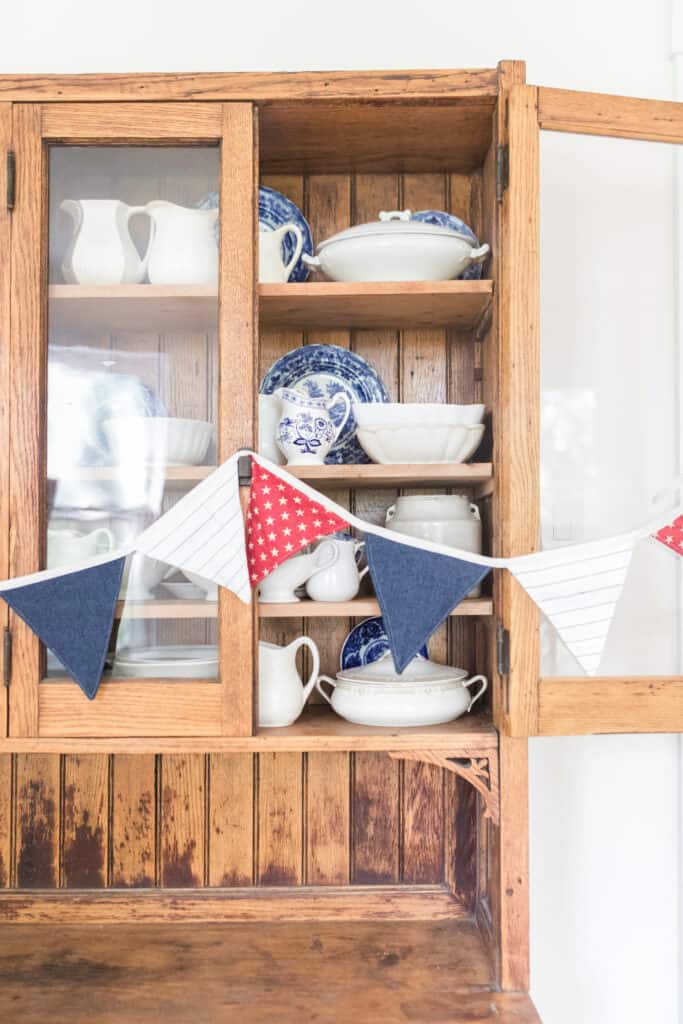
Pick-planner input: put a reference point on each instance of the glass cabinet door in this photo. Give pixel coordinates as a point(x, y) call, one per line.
point(135, 383)
point(606, 347)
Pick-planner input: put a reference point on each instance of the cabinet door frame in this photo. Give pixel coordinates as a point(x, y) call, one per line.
point(130, 707)
point(572, 705)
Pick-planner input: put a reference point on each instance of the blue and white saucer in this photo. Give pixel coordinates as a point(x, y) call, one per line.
point(323, 371)
point(274, 210)
point(367, 643)
point(453, 223)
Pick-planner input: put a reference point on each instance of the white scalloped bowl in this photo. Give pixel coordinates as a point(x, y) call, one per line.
point(158, 439)
point(421, 444)
point(422, 414)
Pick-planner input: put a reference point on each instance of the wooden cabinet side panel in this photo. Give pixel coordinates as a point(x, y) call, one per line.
point(5, 266)
point(27, 370)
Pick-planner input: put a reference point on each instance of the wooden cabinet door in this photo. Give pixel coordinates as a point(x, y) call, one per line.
point(591, 394)
point(90, 356)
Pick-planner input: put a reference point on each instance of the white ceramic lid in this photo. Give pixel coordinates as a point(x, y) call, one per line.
point(420, 670)
point(394, 222)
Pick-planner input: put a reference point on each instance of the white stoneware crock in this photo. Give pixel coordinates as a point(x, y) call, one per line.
point(396, 248)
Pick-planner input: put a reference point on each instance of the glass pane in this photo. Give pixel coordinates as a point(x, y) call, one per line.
point(132, 382)
point(610, 380)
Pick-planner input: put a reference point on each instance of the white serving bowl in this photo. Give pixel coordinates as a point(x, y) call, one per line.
point(408, 414)
point(420, 444)
point(157, 439)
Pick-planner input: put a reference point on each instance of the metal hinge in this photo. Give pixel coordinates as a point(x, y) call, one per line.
point(6, 656)
point(244, 470)
point(503, 650)
point(502, 171)
point(11, 179)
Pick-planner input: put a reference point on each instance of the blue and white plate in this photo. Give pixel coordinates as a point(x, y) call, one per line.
point(367, 643)
point(323, 371)
point(453, 223)
point(274, 210)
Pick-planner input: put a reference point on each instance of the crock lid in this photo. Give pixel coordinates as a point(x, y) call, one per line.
point(420, 670)
point(394, 222)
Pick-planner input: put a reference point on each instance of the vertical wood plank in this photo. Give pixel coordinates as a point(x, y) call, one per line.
point(461, 818)
point(375, 819)
point(327, 830)
point(280, 819)
point(231, 830)
point(422, 824)
point(86, 817)
point(237, 326)
point(27, 378)
point(5, 244)
point(133, 827)
point(182, 820)
point(518, 474)
point(36, 843)
point(6, 797)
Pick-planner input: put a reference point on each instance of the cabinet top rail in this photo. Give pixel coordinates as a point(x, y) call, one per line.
point(257, 86)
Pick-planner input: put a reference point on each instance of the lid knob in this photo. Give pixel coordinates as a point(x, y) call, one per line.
point(395, 215)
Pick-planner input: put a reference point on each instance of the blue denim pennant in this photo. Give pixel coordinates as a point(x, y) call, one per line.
point(73, 615)
point(416, 590)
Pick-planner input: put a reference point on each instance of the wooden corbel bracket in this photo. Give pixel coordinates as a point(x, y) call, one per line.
point(478, 768)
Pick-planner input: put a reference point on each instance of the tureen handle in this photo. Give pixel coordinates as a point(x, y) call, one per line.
point(319, 687)
point(310, 261)
point(476, 679)
point(395, 215)
point(480, 254)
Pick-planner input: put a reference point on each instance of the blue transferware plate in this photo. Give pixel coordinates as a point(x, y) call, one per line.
point(453, 223)
point(323, 371)
point(274, 210)
point(367, 643)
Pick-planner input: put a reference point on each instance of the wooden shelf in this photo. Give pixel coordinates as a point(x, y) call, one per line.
point(360, 606)
point(319, 728)
point(133, 307)
point(439, 474)
point(478, 475)
point(409, 304)
point(159, 308)
point(162, 608)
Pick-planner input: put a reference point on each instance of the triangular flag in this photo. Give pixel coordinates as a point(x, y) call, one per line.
point(416, 590)
point(72, 614)
point(204, 532)
point(281, 520)
point(672, 535)
point(577, 588)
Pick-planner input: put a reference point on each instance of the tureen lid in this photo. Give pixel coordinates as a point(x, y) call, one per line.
point(420, 670)
point(394, 222)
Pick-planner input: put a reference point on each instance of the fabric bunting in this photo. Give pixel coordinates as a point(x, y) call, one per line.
point(72, 613)
point(577, 588)
point(416, 591)
point(281, 520)
point(671, 535)
point(204, 532)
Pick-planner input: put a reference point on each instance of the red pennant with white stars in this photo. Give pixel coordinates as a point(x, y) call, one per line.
point(281, 521)
point(672, 535)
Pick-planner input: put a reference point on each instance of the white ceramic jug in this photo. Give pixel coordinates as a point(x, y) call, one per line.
point(449, 519)
point(341, 581)
point(280, 585)
point(271, 267)
point(268, 418)
point(182, 245)
point(101, 250)
point(281, 693)
point(66, 547)
point(306, 430)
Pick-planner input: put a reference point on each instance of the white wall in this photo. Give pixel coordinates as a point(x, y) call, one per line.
point(605, 812)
